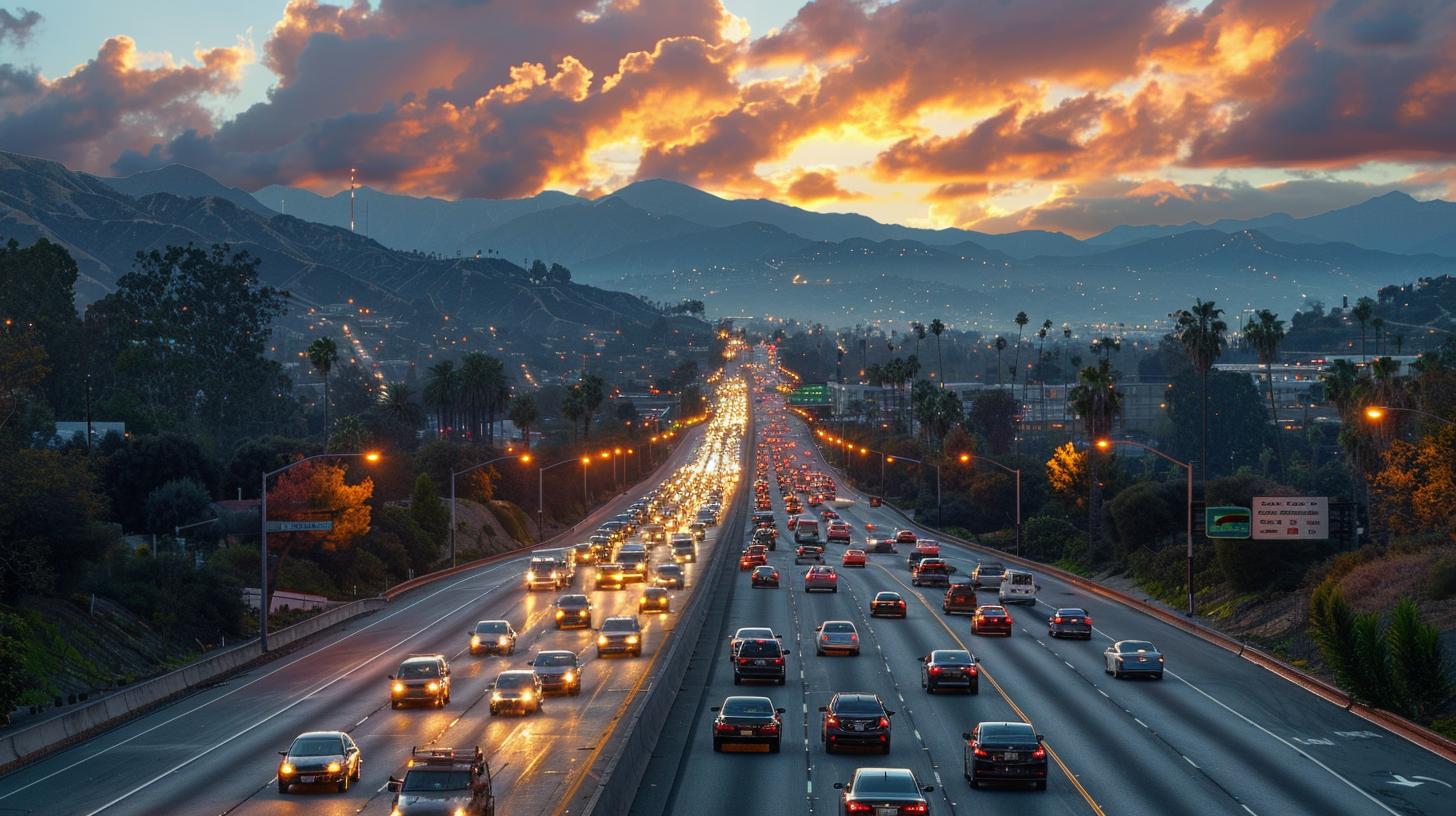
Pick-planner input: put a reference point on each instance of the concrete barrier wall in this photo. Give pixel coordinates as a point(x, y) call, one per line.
point(25, 744)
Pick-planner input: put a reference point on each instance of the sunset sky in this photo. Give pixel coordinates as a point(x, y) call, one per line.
point(1074, 115)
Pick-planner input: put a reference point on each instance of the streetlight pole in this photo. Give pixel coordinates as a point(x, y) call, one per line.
point(524, 457)
point(541, 488)
point(1107, 444)
point(967, 458)
point(371, 456)
point(1376, 413)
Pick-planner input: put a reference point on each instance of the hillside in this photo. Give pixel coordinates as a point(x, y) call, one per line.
point(185, 182)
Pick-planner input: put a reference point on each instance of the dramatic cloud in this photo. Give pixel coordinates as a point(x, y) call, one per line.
point(964, 109)
point(17, 26)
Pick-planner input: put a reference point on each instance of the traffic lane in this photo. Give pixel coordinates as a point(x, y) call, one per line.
point(1266, 721)
point(938, 720)
point(192, 734)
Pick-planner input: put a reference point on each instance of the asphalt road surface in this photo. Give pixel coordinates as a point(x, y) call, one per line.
point(1218, 735)
point(215, 751)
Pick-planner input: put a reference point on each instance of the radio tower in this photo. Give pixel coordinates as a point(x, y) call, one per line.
point(351, 199)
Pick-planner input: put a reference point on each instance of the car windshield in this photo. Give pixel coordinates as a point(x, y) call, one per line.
point(755, 633)
point(833, 628)
point(316, 746)
point(1074, 613)
point(952, 658)
point(572, 601)
point(1137, 646)
point(555, 659)
point(887, 596)
point(510, 681)
point(759, 648)
point(992, 611)
point(669, 569)
point(620, 625)
point(415, 671)
point(426, 781)
point(1014, 734)
point(859, 706)
point(763, 570)
point(873, 784)
point(748, 707)
point(492, 627)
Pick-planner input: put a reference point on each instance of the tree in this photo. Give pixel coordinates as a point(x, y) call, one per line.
point(558, 274)
point(937, 328)
point(1067, 473)
point(523, 415)
point(593, 393)
point(322, 355)
point(1377, 323)
point(1238, 427)
point(398, 413)
point(429, 511)
point(1264, 335)
point(1361, 311)
point(484, 388)
point(353, 391)
point(442, 391)
point(50, 522)
point(993, 416)
point(1000, 347)
point(1419, 677)
point(23, 367)
point(38, 296)
point(175, 503)
point(1145, 514)
point(1201, 332)
point(314, 491)
point(148, 462)
point(572, 409)
point(919, 330)
point(1021, 321)
point(1097, 401)
point(14, 679)
point(350, 434)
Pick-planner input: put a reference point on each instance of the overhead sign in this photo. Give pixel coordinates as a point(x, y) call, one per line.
point(1291, 518)
point(809, 395)
point(1227, 522)
point(300, 526)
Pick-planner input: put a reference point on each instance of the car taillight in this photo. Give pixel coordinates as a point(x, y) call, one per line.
point(971, 670)
point(982, 753)
point(918, 807)
point(769, 728)
point(778, 661)
point(935, 670)
point(831, 720)
point(743, 661)
point(854, 637)
point(858, 807)
point(884, 722)
point(723, 728)
point(1039, 753)
point(1057, 619)
point(1087, 621)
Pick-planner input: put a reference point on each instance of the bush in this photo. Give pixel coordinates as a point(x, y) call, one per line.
point(180, 601)
point(1145, 514)
point(1441, 580)
point(1419, 680)
point(513, 520)
point(1050, 539)
point(178, 502)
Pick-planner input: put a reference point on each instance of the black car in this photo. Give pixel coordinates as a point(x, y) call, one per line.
point(883, 791)
point(950, 668)
point(559, 670)
point(959, 598)
point(320, 757)
point(493, 636)
point(1005, 752)
point(855, 719)
point(516, 690)
point(620, 635)
point(764, 576)
point(748, 721)
point(987, 575)
point(759, 659)
point(573, 612)
point(1070, 622)
point(887, 604)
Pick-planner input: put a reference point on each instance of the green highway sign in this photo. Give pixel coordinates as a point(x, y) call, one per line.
point(810, 395)
point(1227, 522)
point(300, 526)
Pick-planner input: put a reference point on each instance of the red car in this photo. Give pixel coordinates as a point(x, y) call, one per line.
point(838, 531)
point(828, 514)
point(853, 558)
point(927, 548)
point(906, 536)
point(752, 557)
point(792, 522)
point(991, 620)
point(876, 501)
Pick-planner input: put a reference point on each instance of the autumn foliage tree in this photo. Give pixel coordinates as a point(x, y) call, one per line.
point(316, 492)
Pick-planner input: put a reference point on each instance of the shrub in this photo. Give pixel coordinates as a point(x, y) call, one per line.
point(1441, 580)
point(1419, 680)
point(1049, 539)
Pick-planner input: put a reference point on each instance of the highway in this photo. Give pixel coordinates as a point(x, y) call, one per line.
point(1218, 735)
point(216, 751)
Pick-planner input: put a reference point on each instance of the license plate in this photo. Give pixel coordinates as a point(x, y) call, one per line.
point(1011, 757)
point(887, 811)
point(760, 662)
point(745, 732)
point(306, 780)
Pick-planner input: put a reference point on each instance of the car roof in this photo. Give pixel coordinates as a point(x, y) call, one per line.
point(934, 652)
point(992, 607)
point(743, 698)
point(752, 629)
point(654, 591)
point(1134, 644)
point(1072, 610)
point(1022, 727)
point(314, 734)
point(516, 673)
point(423, 659)
point(574, 598)
point(544, 652)
point(892, 773)
point(887, 593)
point(855, 697)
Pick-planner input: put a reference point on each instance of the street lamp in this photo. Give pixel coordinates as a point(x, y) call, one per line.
point(541, 487)
point(967, 458)
point(1376, 413)
point(525, 459)
point(937, 481)
point(1104, 444)
point(368, 456)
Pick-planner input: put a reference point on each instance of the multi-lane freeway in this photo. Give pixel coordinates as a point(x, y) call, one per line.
point(1218, 735)
point(216, 751)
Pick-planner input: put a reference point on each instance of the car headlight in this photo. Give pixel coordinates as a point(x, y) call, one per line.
point(460, 811)
point(631, 639)
point(286, 769)
point(432, 686)
point(526, 696)
point(497, 696)
point(568, 676)
point(333, 767)
point(475, 640)
point(399, 688)
point(601, 640)
point(502, 640)
point(560, 613)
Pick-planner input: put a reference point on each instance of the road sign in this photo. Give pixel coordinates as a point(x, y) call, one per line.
point(810, 395)
point(300, 526)
point(1291, 518)
point(1226, 522)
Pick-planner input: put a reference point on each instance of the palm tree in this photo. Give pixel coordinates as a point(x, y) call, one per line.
point(1377, 323)
point(442, 392)
point(937, 327)
point(1264, 335)
point(571, 407)
point(1097, 401)
point(1105, 346)
point(524, 414)
point(1362, 310)
point(397, 405)
point(919, 329)
point(1201, 331)
point(593, 391)
point(1021, 321)
point(1000, 347)
point(1041, 335)
point(484, 389)
point(322, 354)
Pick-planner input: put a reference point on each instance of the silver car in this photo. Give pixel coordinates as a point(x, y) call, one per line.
point(836, 637)
point(1070, 622)
point(1129, 657)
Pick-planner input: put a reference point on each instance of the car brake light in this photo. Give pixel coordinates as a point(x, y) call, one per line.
point(917, 807)
point(1039, 753)
point(854, 637)
point(982, 753)
point(1087, 621)
point(778, 661)
point(1057, 619)
point(858, 807)
point(884, 722)
point(723, 728)
point(971, 670)
point(743, 661)
point(831, 720)
point(935, 670)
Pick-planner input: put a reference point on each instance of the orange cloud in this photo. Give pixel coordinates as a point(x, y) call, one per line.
point(818, 185)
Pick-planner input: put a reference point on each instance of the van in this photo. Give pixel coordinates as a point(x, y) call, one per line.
point(806, 531)
point(1018, 587)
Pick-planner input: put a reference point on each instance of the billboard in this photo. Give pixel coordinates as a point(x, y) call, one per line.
point(1226, 522)
point(1291, 518)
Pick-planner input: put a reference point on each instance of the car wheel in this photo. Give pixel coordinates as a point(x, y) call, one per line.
point(717, 745)
point(773, 747)
point(828, 746)
point(1158, 676)
point(358, 770)
point(737, 681)
point(599, 653)
point(344, 784)
point(975, 783)
point(781, 681)
point(282, 788)
point(886, 748)
point(494, 711)
point(1041, 784)
point(576, 691)
point(394, 704)
point(975, 688)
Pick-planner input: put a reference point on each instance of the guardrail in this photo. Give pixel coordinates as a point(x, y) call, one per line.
point(635, 735)
point(1437, 744)
point(23, 745)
